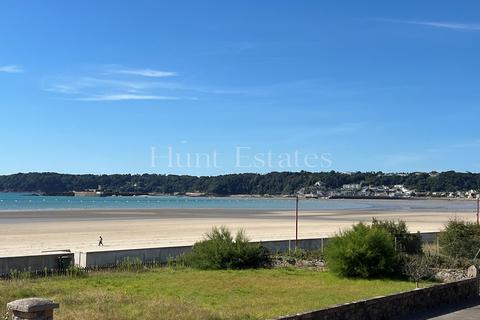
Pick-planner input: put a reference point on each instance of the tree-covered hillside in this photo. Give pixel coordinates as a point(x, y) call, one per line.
point(274, 183)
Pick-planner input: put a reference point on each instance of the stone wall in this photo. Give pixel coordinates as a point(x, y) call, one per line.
point(395, 305)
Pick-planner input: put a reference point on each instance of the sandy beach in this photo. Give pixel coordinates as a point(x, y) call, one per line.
point(31, 232)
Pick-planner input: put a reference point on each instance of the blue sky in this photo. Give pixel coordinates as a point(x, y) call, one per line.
point(101, 86)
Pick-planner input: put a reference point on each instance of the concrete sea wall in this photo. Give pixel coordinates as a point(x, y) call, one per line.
point(111, 258)
point(94, 259)
point(35, 263)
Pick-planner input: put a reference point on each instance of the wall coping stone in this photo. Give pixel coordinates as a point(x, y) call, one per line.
point(30, 305)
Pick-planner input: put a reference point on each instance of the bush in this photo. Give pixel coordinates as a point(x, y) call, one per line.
point(460, 239)
point(363, 252)
point(219, 250)
point(439, 261)
point(406, 242)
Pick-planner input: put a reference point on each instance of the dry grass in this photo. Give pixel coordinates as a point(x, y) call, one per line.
point(430, 248)
point(191, 294)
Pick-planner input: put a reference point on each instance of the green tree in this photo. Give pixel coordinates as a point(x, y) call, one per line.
point(362, 251)
point(460, 239)
point(404, 241)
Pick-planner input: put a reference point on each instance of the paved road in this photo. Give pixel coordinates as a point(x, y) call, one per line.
point(465, 314)
point(466, 311)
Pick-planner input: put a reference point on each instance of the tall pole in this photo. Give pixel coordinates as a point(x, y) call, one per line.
point(478, 210)
point(296, 221)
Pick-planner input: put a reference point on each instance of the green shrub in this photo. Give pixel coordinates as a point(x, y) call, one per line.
point(460, 239)
point(405, 242)
point(363, 252)
point(219, 250)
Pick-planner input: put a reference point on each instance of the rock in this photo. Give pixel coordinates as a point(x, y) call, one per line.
point(472, 272)
point(282, 262)
point(450, 275)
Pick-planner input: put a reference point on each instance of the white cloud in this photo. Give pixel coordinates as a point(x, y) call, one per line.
point(440, 24)
point(125, 96)
point(145, 73)
point(11, 69)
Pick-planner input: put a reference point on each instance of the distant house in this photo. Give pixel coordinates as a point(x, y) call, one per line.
point(471, 194)
point(401, 190)
point(90, 192)
point(352, 187)
point(319, 184)
point(367, 192)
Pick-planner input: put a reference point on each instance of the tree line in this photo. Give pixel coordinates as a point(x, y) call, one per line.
point(274, 183)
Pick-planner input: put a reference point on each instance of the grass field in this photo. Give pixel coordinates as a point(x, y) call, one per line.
point(166, 293)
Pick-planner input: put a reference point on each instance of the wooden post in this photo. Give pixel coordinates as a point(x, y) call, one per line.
point(478, 209)
point(438, 244)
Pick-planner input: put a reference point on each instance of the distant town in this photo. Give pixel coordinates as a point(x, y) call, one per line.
point(362, 191)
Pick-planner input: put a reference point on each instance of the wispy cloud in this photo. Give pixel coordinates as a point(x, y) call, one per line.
point(145, 73)
point(439, 24)
point(242, 45)
point(11, 69)
point(344, 129)
point(427, 155)
point(399, 160)
point(108, 89)
point(125, 96)
point(117, 83)
point(74, 85)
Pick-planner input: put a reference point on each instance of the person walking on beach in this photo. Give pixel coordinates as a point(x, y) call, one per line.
point(100, 241)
